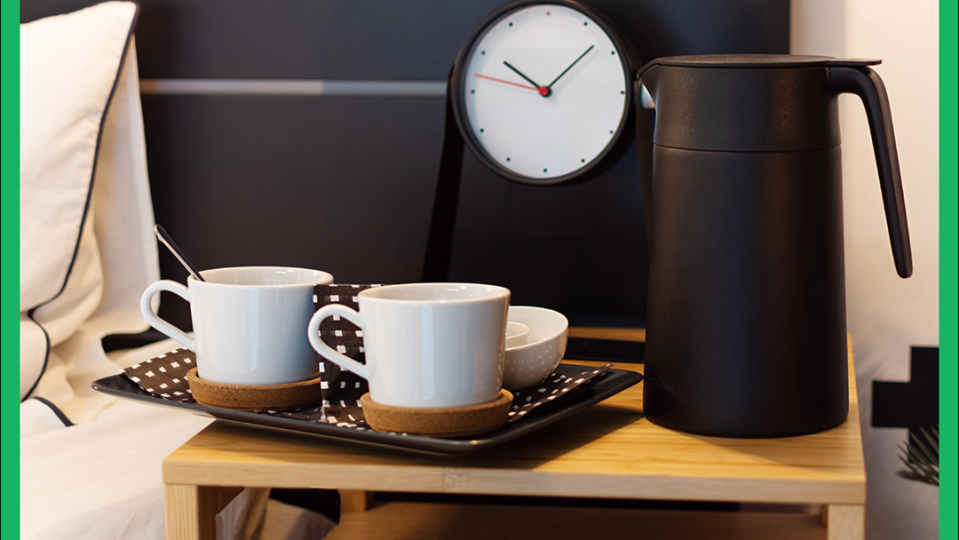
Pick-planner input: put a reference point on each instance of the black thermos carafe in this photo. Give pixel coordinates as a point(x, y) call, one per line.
point(746, 315)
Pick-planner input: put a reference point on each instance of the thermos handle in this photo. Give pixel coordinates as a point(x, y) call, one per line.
point(865, 83)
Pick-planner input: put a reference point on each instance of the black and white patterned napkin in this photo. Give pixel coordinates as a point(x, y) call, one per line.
point(165, 376)
point(554, 388)
point(343, 389)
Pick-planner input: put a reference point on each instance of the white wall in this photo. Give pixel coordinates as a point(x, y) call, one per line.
point(886, 314)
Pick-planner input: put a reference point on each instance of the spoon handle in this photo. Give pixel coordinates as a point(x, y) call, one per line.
point(177, 252)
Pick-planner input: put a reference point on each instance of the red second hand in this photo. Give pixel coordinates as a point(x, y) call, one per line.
point(540, 90)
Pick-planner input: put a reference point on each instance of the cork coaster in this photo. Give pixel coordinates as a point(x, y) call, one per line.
point(252, 398)
point(444, 422)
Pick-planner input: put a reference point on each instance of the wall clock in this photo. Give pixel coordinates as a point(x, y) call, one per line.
point(542, 93)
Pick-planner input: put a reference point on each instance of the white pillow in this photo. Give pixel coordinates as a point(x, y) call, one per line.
point(86, 250)
point(69, 65)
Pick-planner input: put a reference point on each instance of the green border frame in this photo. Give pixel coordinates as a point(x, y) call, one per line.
point(948, 179)
point(10, 250)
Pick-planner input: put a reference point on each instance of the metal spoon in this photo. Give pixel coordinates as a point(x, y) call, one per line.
point(177, 252)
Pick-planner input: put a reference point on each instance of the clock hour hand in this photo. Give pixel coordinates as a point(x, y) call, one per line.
point(550, 85)
point(543, 90)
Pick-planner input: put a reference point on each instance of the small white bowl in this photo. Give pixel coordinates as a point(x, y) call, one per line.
point(532, 362)
point(517, 334)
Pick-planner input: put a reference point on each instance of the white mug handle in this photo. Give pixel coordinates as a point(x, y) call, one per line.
point(313, 332)
point(147, 310)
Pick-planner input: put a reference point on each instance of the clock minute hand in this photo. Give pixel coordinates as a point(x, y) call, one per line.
point(550, 85)
point(543, 90)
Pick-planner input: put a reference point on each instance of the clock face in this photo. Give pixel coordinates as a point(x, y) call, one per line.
point(543, 92)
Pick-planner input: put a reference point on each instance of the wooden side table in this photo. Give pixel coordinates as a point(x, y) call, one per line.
point(609, 450)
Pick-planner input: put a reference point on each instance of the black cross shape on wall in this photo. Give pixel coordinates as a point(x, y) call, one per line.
point(913, 404)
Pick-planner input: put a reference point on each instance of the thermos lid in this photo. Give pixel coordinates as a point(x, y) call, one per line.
point(754, 61)
point(745, 102)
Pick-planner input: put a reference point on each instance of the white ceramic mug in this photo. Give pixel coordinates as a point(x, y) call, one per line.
point(428, 345)
point(248, 323)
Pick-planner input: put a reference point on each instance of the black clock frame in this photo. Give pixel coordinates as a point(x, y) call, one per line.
point(620, 140)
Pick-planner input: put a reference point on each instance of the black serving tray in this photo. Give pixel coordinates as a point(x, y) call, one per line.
point(602, 387)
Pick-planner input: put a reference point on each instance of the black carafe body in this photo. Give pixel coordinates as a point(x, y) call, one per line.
point(746, 318)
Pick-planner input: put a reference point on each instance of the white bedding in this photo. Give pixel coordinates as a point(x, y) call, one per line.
point(86, 245)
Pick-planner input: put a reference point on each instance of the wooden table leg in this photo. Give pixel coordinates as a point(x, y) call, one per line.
point(355, 501)
point(191, 510)
point(845, 521)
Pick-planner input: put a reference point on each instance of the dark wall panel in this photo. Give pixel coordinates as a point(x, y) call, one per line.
point(339, 184)
point(347, 184)
point(384, 39)
point(674, 27)
point(295, 39)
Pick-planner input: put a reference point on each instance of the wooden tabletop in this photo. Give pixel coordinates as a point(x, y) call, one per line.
point(609, 450)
